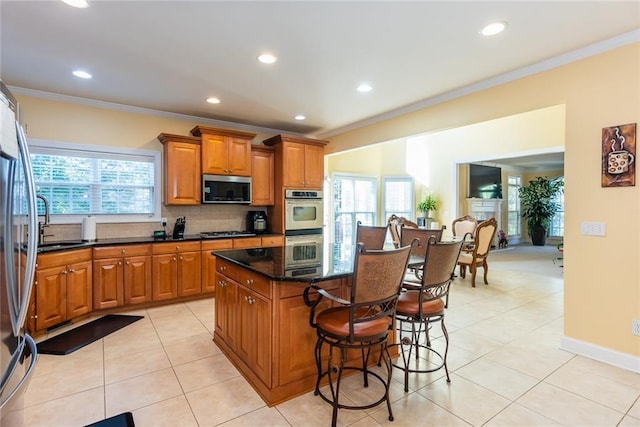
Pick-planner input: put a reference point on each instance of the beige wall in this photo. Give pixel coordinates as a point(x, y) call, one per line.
point(601, 273)
point(67, 122)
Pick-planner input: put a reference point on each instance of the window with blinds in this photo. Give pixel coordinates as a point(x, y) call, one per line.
point(513, 205)
point(398, 196)
point(94, 181)
point(354, 199)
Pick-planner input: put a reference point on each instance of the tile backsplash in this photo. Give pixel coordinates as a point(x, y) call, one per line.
point(198, 219)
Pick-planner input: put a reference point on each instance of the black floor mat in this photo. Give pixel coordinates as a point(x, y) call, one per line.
point(77, 338)
point(122, 420)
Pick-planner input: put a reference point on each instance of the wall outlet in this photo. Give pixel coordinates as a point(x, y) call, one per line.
point(635, 327)
point(163, 221)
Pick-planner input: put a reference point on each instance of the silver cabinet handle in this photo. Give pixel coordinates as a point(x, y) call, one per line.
point(249, 282)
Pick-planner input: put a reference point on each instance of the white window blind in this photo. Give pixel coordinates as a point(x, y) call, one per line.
point(398, 196)
point(513, 205)
point(95, 182)
point(354, 199)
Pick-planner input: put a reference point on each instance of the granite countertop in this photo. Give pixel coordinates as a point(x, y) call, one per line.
point(54, 246)
point(333, 261)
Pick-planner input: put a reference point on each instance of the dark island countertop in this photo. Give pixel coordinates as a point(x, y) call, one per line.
point(333, 261)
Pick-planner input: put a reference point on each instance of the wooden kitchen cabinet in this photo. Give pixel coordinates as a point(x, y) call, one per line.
point(262, 176)
point(176, 270)
point(121, 275)
point(209, 261)
point(62, 288)
point(181, 169)
point(225, 152)
point(299, 161)
point(243, 316)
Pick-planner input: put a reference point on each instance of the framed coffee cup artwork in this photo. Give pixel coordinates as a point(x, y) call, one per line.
point(619, 156)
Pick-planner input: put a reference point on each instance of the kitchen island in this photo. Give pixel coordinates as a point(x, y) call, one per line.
point(261, 320)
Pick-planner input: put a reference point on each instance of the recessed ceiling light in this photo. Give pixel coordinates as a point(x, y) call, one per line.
point(267, 58)
point(493, 28)
point(364, 87)
point(82, 74)
point(213, 100)
point(300, 117)
point(77, 3)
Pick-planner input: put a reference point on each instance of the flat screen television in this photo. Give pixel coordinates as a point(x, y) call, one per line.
point(485, 182)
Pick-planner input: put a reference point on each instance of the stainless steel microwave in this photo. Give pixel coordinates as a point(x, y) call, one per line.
point(226, 189)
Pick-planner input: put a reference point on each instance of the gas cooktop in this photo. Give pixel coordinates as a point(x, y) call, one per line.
point(222, 234)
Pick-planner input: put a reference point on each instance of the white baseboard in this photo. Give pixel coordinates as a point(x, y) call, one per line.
point(602, 354)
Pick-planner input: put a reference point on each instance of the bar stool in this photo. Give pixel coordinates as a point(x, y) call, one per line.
point(362, 323)
point(372, 237)
point(420, 305)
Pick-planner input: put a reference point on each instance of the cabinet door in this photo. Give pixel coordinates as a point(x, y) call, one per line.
point(189, 280)
point(225, 311)
point(313, 167)
point(137, 279)
point(293, 156)
point(79, 289)
point(239, 156)
point(50, 297)
point(165, 277)
point(183, 181)
point(253, 333)
point(208, 272)
point(107, 283)
point(215, 154)
point(262, 178)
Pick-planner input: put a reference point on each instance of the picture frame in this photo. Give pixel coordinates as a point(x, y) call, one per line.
point(619, 156)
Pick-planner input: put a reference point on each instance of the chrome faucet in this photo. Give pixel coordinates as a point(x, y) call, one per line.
point(42, 225)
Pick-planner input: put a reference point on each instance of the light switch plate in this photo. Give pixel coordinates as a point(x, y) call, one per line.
point(593, 228)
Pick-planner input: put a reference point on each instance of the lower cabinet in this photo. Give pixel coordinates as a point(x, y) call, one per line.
point(121, 275)
point(243, 317)
point(209, 261)
point(176, 270)
point(62, 288)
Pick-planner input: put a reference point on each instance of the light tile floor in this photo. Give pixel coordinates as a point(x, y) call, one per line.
point(506, 369)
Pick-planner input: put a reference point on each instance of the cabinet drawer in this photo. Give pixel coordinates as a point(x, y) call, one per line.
point(217, 244)
point(174, 247)
point(272, 241)
point(63, 258)
point(228, 269)
point(247, 242)
point(119, 251)
point(255, 282)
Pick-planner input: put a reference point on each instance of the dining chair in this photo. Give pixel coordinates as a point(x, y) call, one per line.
point(372, 237)
point(361, 323)
point(420, 305)
point(476, 255)
point(396, 223)
point(463, 226)
point(419, 250)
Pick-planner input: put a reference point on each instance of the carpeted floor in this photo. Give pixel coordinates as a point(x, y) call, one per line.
point(541, 260)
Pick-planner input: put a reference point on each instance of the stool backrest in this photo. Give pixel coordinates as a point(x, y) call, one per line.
point(372, 237)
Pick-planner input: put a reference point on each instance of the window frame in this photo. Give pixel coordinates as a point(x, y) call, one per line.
point(334, 213)
point(41, 146)
point(518, 210)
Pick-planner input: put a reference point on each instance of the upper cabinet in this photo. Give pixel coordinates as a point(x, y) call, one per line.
point(225, 152)
point(299, 161)
point(181, 169)
point(262, 173)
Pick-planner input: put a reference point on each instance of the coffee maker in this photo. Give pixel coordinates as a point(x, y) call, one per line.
point(257, 222)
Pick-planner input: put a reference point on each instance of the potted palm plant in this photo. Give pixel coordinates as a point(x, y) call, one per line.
point(538, 207)
point(428, 205)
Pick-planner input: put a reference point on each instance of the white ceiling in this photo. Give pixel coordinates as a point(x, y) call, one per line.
point(171, 55)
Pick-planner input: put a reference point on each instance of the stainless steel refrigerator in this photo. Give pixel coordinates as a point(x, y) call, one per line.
point(18, 248)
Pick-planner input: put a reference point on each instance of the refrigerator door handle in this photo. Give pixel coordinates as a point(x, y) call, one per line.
point(32, 236)
point(32, 363)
